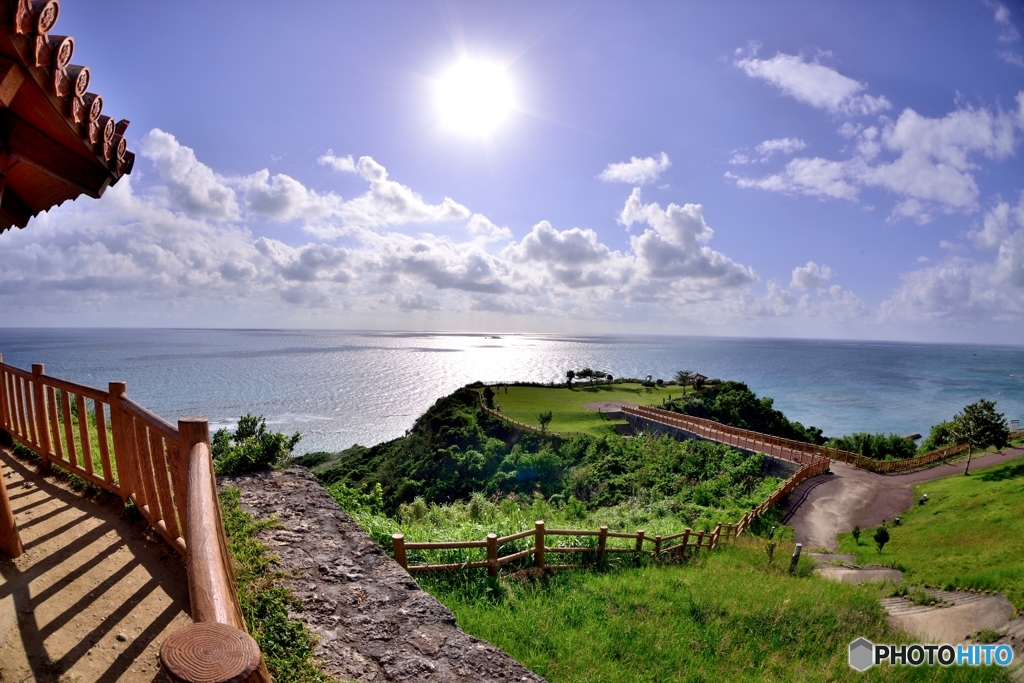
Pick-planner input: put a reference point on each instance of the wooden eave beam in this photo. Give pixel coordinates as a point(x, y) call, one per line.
point(30, 146)
point(13, 209)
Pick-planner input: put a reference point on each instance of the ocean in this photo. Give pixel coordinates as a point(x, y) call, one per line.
point(341, 388)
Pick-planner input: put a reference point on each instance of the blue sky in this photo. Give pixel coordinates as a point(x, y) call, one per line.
point(800, 169)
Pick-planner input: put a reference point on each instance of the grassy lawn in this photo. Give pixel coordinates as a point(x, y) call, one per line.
point(970, 533)
point(727, 616)
point(567, 405)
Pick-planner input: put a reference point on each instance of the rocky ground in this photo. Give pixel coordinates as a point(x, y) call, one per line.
point(373, 621)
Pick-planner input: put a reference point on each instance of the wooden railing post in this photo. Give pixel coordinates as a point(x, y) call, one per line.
point(657, 547)
point(538, 544)
point(602, 543)
point(686, 539)
point(398, 543)
point(10, 541)
point(124, 439)
point(715, 535)
point(640, 540)
point(3, 396)
point(42, 423)
point(492, 554)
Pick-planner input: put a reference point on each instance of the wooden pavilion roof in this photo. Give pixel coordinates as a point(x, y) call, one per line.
point(55, 141)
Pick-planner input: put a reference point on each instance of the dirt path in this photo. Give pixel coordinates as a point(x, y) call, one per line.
point(92, 598)
point(824, 506)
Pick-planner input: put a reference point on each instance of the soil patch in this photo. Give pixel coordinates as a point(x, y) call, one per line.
point(373, 621)
point(93, 596)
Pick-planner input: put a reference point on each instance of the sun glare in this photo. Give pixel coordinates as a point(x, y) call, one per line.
point(474, 97)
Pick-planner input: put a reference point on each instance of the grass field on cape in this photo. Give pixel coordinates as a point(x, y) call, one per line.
point(567, 404)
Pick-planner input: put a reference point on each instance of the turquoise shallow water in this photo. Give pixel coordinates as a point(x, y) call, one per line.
point(340, 388)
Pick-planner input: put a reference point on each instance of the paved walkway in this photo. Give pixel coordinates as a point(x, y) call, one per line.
point(823, 506)
point(94, 595)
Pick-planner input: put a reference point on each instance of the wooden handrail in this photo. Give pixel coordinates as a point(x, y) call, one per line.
point(219, 628)
point(167, 472)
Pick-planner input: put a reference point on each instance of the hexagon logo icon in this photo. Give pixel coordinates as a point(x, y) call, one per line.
point(862, 654)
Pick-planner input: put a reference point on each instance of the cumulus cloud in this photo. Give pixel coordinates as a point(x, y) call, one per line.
point(811, 276)
point(346, 164)
point(636, 171)
point(283, 198)
point(673, 246)
point(177, 246)
point(928, 163)
point(812, 83)
point(191, 185)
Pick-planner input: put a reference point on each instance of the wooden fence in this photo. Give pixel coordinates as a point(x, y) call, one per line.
point(166, 471)
point(787, 449)
point(674, 544)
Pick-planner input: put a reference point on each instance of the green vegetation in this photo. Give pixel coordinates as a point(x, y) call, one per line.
point(876, 446)
point(251, 447)
point(287, 644)
point(728, 615)
point(454, 451)
point(734, 404)
point(970, 534)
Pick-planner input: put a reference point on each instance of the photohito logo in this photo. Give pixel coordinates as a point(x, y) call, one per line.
point(864, 654)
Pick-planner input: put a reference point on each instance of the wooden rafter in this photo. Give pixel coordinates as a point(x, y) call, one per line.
point(55, 142)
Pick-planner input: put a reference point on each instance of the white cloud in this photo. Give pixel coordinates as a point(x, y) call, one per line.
point(636, 171)
point(928, 163)
point(191, 185)
point(1008, 32)
point(780, 146)
point(389, 203)
point(1012, 58)
point(284, 198)
point(816, 177)
point(346, 164)
point(673, 248)
point(811, 276)
point(814, 83)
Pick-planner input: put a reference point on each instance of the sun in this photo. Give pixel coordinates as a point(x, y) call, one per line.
point(474, 97)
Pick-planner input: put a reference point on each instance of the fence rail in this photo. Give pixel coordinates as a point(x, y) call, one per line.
point(166, 471)
point(787, 449)
point(691, 541)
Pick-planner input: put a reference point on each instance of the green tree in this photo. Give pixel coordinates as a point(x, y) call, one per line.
point(980, 426)
point(569, 377)
point(941, 435)
point(683, 377)
point(489, 397)
point(545, 420)
point(881, 537)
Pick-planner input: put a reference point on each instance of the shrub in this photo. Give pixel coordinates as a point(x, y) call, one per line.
point(856, 534)
point(881, 537)
point(251, 447)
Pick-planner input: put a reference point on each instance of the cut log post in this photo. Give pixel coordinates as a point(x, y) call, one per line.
point(10, 541)
point(398, 544)
point(657, 546)
point(640, 540)
point(602, 543)
point(492, 555)
point(42, 423)
point(209, 652)
point(538, 544)
point(796, 557)
point(686, 539)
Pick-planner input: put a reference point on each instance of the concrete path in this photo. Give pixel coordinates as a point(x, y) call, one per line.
point(94, 595)
point(957, 616)
point(823, 506)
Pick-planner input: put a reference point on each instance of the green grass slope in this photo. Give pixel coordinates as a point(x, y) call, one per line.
point(970, 534)
point(727, 616)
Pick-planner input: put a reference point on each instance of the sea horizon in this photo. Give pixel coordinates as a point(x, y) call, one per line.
point(341, 387)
